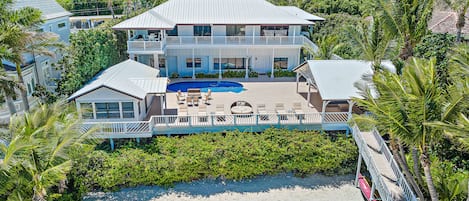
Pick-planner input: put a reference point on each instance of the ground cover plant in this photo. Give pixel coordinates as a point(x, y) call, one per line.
point(234, 155)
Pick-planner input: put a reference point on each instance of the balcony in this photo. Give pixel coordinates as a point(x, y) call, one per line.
point(136, 45)
point(235, 40)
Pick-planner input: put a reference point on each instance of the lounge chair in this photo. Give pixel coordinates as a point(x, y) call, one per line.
point(180, 94)
point(183, 113)
point(298, 110)
point(194, 93)
point(209, 94)
point(262, 112)
point(189, 101)
point(279, 108)
point(180, 98)
point(202, 113)
point(195, 100)
point(206, 99)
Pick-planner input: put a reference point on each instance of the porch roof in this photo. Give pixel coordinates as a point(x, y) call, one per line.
point(337, 79)
point(129, 77)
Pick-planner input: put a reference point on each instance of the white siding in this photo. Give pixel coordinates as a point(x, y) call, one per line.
point(219, 30)
point(185, 30)
point(294, 30)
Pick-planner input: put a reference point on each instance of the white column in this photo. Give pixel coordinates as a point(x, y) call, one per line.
point(211, 34)
point(294, 34)
point(273, 62)
point(298, 82)
point(219, 64)
point(359, 165)
point(120, 110)
point(94, 110)
point(350, 107)
point(166, 65)
point(128, 34)
point(247, 64)
point(156, 62)
point(193, 64)
point(253, 35)
point(309, 95)
point(324, 105)
point(299, 56)
point(161, 104)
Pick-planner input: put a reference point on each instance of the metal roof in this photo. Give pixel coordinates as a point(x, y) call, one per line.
point(336, 79)
point(50, 8)
point(212, 12)
point(129, 77)
point(301, 13)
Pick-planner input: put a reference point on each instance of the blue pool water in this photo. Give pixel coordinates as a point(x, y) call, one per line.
point(215, 86)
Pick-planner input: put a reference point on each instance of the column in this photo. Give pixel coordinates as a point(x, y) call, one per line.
point(193, 64)
point(247, 64)
point(294, 34)
point(359, 165)
point(297, 82)
point(309, 95)
point(273, 62)
point(128, 35)
point(219, 64)
point(324, 105)
point(350, 107)
point(161, 104)
point(156, 61)
point(166, 67)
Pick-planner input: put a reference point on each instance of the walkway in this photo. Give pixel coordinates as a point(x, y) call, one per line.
point(387, 178)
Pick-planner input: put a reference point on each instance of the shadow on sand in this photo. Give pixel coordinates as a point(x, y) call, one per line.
point(207, 188)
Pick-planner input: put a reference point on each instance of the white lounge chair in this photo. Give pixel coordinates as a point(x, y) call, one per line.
point(262, 112)
point(298, 110)
point(220, 112)
point(189, 101)
point(202, 113)
point(280, 108)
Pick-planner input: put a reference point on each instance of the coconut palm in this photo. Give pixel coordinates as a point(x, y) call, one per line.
point(110, 4)
point(40, 146)
point(460, 7)
point(373, 43)
point(326, 46)
point(405, 105)
point(407, 20)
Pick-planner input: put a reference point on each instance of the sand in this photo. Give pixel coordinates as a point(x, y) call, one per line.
point(283, 187)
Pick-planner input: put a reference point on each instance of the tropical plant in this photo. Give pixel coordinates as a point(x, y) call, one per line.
point(37, 157)
point(407, 20)
point(373, 43)
point(406, 103)
point(460, 7)
point(327, 45)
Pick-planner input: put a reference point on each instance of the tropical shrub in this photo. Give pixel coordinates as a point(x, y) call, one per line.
point(234, 155)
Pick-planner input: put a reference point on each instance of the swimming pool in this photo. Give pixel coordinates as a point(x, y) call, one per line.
point(214, 86)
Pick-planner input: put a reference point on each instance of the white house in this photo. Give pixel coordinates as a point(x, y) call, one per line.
point(123, 92)
point(187, 37)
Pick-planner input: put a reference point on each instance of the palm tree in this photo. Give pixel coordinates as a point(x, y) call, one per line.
point(110, 5)
point(405, 105)
point(407, 20)
point(40, 146)
point(327, 45)
point(373, 43)
point(460, 7)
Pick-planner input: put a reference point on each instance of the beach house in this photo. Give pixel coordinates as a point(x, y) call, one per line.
point(183, 38)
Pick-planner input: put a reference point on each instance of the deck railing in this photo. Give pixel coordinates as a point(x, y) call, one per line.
point(224, 121)
point(235, 40)
point(377, 179)
point(134, 45)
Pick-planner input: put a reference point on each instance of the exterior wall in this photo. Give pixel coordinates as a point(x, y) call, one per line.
point(52, 26)
point(107, 95)
point(260, 58)
point(185, 30)
point(294, 30)
point(219, 30)
point(253, 28)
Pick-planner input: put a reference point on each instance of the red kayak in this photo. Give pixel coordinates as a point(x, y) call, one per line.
point(364, 187)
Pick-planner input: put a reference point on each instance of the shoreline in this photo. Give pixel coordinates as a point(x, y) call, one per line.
point(279, 187)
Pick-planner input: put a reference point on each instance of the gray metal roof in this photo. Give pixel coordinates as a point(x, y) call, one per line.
point(301, 13)
point(212, 12)
point(336, 79)
point(50, 8)
point(129, 77)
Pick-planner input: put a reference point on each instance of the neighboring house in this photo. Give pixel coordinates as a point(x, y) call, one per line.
point(37, 69)
point(186, 37)
point(123, 92)
point(445, 22)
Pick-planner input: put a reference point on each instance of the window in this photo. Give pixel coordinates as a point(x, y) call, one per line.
point(281, 63)
point(86, 110)
point(274, 30)
point(230, 63)
point(107, 111)
point(197, 62)
point(162, 62)
point(61, 25)
point(173, 32)
point(235, 30)
point(128, 110)
point(202, 31)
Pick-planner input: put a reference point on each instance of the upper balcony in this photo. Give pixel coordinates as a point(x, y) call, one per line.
point(157, 44)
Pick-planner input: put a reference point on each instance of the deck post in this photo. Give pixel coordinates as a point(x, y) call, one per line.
point(219, 64)
point(111, 141)
point(156, 61)
point(309, 96)
point(373, 188)
point(189, 118)
point(350, 107)
point(161, 104)
point(294, 34)
point(166, 65)
point(246, 76)
point(273, 63)
point(257, 119)
point(234, 120)
point(297, 82)
point(193, 64)
point(213, 123)
point(359, 165)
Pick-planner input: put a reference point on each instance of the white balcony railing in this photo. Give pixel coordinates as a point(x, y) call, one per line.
point(135, 45)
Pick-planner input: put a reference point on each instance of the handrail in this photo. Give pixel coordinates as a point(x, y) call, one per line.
point(383, 190)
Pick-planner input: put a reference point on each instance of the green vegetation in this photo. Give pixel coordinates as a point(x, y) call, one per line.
point(228, 74)
point(234, 155)
point(37, 159)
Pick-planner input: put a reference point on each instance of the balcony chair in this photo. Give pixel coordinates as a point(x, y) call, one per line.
point(202, 113)
point(220, 112)
point(280, 110)
point(262, 112)
point(298, 110)
point(189, 101)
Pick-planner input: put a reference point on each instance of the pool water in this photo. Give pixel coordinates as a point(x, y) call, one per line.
point(214, 86)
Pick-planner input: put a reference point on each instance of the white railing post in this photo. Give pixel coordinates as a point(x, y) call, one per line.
point(257, 119)
point(189, 118)
point(125, 127)
point(212, 120)
point(144, 45)
point(166, 121)
point(180, 40)
point(234, 120)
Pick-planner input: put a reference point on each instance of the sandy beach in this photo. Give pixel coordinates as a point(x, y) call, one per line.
point(283, 187)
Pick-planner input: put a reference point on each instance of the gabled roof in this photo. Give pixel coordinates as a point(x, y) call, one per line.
point(301, 13)
point(212, 12)
point(335, 79)
point(129, 77)
point(50, 8)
